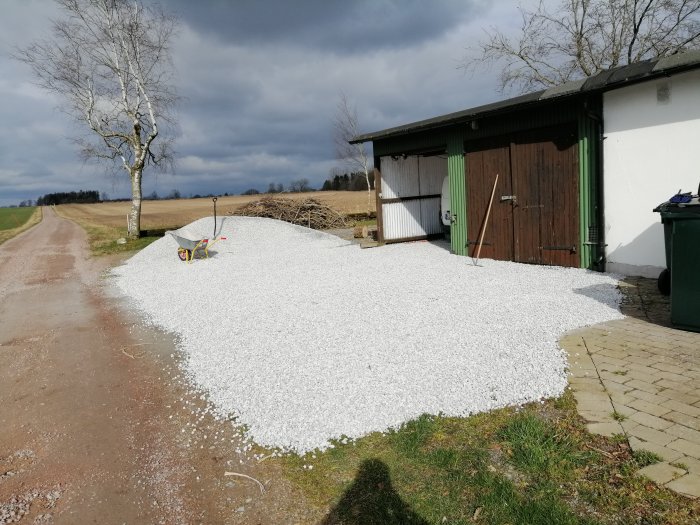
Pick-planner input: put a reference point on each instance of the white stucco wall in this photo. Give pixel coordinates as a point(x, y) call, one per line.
point(651, 150)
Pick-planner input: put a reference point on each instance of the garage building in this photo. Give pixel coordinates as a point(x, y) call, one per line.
point(580, 168)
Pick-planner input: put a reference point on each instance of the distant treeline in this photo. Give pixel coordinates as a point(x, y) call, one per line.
point(336, 182)
point(348, 182)
point(69, 197)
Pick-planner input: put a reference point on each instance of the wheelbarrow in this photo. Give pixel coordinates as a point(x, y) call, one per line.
point(189, 247)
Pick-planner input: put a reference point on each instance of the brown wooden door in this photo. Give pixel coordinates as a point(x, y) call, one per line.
point(540, 224)
point(545, 181)
point(527, 159)
point(482, 164)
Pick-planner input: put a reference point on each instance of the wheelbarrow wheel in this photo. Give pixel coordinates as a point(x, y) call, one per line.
point(184, 254)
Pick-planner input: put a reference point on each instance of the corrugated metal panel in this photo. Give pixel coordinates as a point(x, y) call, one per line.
point(431, 171)
point(402, 220)
point(458, 196)
point(411, 177)
point(430, 216)
point(399, 177)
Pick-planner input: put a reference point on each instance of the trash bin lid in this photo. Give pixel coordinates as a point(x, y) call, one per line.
point(673, 210)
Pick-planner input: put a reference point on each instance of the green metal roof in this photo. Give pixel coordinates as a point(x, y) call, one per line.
point(603, 81)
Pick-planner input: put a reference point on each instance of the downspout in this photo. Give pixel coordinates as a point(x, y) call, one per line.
point(597, 134)
point(584, 190)
point(600, 195)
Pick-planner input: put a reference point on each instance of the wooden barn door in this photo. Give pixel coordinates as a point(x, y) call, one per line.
point(545, 182)
point(535, 216)
point(482, 165)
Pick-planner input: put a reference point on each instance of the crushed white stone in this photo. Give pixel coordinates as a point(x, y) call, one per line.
point(304, 337)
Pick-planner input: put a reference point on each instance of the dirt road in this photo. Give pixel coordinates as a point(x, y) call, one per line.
point(95, 424)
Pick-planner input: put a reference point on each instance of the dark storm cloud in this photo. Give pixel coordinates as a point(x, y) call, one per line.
point(259, 82)
point(333, 25)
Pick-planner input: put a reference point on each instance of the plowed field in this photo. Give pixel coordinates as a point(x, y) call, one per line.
point(175, 213)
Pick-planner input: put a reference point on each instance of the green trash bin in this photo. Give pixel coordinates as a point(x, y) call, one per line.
point(682, 241)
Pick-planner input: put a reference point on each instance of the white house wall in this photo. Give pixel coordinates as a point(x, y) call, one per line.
point(651, 150)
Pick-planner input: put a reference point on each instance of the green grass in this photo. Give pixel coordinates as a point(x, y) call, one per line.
point(103, 239)
point(540, 450)
point(618, 417)
point(535, 465)
point(644, 458)
point(14, 221)
point(11, 218)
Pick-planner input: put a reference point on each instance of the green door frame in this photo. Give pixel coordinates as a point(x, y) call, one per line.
point(458, 191)
point(590, 234)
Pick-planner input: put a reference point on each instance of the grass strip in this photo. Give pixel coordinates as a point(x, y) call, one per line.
point(11, 218)
point(14, 221)
point(105, 240)
point(531, 465)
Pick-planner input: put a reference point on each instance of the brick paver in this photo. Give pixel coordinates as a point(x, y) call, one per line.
point(640, 377)
point(688, 485)
point(662, 472)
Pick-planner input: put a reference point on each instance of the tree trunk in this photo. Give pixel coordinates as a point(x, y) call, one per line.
point(134, 221)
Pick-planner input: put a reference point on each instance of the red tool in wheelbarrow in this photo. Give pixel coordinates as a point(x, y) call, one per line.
point(189, 244)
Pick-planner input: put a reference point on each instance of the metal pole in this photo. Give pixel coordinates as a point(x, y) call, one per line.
point(214, 199)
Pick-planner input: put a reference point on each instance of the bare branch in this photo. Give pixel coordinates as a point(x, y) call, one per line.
point(345, 128)
point(580, 38)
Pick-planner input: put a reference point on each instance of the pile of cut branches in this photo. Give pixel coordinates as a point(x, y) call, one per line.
point(304, 212)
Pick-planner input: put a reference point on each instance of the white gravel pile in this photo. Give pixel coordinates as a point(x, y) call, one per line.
point(305, 337)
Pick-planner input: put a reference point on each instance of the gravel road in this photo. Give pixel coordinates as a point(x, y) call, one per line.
point(95, 426)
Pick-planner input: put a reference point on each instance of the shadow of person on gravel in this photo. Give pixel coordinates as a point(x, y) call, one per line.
point(372, 500)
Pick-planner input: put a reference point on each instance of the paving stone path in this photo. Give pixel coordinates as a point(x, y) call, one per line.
point(641, 378)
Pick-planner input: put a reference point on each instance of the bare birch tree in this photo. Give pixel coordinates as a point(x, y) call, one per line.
point(355, 156)
point(579, 38)
point(109, 62)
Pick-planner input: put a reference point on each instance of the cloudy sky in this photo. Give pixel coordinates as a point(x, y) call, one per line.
point(260, 81)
